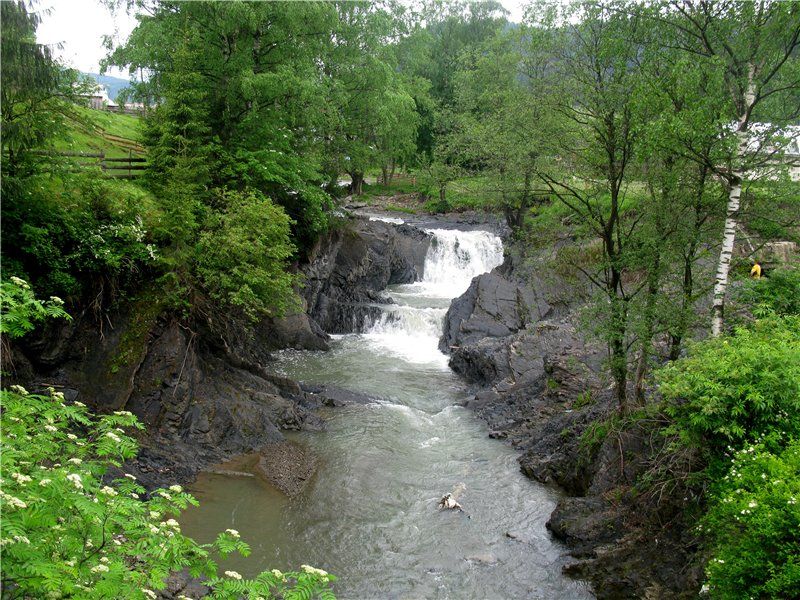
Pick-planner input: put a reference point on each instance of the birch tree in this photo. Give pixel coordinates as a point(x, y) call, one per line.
point(756, 48)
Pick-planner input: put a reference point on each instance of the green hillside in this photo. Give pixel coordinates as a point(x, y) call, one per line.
point(95, 131)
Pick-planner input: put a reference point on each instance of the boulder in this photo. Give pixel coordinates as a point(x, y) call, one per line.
point(350, 267)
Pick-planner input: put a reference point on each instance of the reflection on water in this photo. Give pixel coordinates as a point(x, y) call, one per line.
point(370, 515)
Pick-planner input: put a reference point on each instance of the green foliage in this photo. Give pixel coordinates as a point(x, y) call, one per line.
point(241, 257)
point(402, 209)
point(778, 293)
point(20, 310)
point(65, 234)
point(35, 92)
point(69, 529)
point(731, 391)
point(752, 524)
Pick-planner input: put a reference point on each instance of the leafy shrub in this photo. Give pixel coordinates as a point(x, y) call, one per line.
point(69, 531)
point(63, 234)
point(243, 254)
point(753, 523)
point(729, 391)
point(437, 206)
point(20, 310)
point(778, 293)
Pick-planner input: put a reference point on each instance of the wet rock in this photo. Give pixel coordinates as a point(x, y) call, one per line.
point(297, 331)
point(330, 395)
point(350, 267)
point(492, 307)
point(482, 559)
point(584, 524)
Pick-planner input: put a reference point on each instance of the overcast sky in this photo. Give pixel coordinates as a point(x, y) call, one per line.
point(81, 24)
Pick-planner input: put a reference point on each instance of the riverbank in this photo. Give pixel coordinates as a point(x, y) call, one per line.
point(543, 389)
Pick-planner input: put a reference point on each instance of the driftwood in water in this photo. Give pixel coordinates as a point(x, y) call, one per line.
point(450, 500)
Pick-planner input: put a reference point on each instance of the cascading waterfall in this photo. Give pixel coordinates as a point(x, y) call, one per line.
point(411, 327)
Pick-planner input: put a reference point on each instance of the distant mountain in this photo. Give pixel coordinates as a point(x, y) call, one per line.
point(112, 84)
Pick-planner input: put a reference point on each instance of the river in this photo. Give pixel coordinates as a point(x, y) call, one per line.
point(370, 513)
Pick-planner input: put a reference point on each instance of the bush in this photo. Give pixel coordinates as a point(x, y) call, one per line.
point(777, 293)
point(63, 234)
point(20, 310)
point(243, 254)
point(68, 530)
point(753, 523)
point(730, 391)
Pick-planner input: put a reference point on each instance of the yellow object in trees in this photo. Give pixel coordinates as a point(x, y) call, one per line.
point(755, 272)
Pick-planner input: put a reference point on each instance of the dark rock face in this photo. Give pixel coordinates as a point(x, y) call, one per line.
point(201, 390)
point(350, 267)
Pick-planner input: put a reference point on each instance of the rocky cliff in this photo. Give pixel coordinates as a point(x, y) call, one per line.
point(350, 267)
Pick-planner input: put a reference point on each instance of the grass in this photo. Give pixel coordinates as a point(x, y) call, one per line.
point(85, 132)
point(402, 209)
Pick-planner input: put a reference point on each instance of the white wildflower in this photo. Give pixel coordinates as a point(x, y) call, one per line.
point(21, 539)
point(108, 491)
point(233, 574)
point(13, 501)
point(51, 428)
point(314, 571)
point(19, 390)
point(171, 523)
point(176, 488)
point(72, 436)
point(75, 461)
point(150, 594)
point(20, 282)
point(129, 476)
point(155, 515)
point(45, 482)
point(76, 480)
point(113, 437)
point(99, 569)
point(20, 478)
point(232, 532)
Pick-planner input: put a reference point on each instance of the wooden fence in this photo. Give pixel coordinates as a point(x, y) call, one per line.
point(124, 167)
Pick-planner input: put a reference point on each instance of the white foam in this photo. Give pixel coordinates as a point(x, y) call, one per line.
point(393, 220)
point(411, 331)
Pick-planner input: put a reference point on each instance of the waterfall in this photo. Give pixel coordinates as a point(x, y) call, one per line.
point(410, 328)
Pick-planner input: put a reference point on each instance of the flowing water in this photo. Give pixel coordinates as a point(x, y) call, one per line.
point(370, 514)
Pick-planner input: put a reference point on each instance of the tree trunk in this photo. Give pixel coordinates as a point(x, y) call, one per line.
point(726, 252)
point(391, 171)
point(619, 354)
point(356, 185)
point(385, 175)
point(647, 330)
point(735, 179)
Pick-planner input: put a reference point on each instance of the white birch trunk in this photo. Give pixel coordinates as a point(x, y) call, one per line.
point(725, 254)
point(732, 213)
